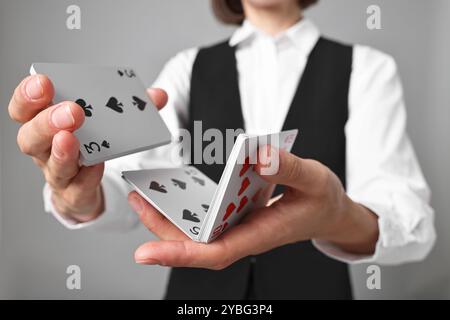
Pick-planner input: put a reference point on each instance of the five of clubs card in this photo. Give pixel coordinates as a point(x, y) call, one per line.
point(119, 117)
point(199, 207)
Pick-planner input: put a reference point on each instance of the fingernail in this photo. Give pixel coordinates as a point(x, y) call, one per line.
point(62, 117)
point(148, 261)
point(56, 150)
point(34, 89)
point(135, 204)
point(142, 257)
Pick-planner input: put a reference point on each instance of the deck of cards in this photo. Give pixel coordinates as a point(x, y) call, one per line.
point(120, 118)
point(199, 207)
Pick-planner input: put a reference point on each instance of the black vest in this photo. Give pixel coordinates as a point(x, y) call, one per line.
point(319, 110)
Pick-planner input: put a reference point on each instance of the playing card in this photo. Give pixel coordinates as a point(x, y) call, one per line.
point(120, 118)
point(183, 195)
point(240, 188)
point(199, 207)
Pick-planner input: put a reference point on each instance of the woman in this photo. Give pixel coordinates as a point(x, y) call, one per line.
point(275, 72)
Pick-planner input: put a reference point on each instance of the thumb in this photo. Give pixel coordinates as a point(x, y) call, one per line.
point(281, 167)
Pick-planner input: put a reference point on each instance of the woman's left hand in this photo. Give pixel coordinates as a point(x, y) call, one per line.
point(314, 206)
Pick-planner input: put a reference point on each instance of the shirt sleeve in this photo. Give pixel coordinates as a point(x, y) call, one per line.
point(118, 216)
point(383, 173)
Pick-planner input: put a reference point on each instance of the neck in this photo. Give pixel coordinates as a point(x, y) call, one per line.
point(274, 19)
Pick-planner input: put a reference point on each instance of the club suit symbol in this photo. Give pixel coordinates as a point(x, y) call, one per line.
point(139, 103)
point(115, 105)
point(188, 215)
point(86, 108)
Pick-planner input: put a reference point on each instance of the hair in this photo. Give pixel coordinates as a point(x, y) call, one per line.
point(232, 12)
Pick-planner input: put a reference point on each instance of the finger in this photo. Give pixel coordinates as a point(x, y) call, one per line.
point(301, 174)
point(175, 253)
point(86, 182)
point(35, 136)
point(62, 165)
point(248, 238)
point(158, 96)
point(30, 97)
point(154, 220)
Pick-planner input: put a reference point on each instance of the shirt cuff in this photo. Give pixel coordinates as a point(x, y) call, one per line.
point(335, 252)
point(117, 216)
point(397, 243)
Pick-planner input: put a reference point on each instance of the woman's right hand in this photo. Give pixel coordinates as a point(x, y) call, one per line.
point(46, 135)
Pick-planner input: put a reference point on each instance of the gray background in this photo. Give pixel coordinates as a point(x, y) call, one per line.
point(35, 249)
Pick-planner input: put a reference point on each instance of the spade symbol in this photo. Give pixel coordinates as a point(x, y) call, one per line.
point(157, 187)
point(87, 109)
point(187, 215)
point(190, 171)
point(179, 183)
point(115, 105)
point(139, 103)
point(199, 181)
point(129, 73)
point(105, 144)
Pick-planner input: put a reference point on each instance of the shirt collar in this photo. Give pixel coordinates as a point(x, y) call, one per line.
point(304, 35)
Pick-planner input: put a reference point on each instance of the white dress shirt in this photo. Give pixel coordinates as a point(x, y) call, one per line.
point(382, 170)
